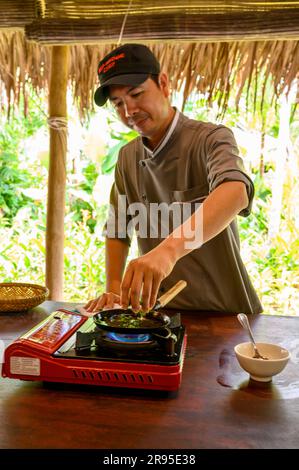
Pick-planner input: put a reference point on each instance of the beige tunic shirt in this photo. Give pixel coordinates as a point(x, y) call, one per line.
point(191, 161)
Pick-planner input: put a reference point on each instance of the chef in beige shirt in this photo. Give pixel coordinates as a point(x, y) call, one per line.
point(186, 182)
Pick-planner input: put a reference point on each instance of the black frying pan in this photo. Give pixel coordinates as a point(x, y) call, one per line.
point(126, 321)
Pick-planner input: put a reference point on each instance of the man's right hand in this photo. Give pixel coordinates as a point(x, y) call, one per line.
point(106, 300)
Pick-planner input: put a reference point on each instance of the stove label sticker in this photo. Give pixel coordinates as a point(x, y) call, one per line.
point(54, 330)
point(24, 365)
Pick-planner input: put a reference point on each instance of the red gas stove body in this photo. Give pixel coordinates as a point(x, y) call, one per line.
point(47, 353)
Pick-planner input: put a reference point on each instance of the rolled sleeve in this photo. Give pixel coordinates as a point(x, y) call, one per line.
point(224, 163)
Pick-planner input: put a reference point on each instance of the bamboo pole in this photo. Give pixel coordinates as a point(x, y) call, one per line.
point(57, 172)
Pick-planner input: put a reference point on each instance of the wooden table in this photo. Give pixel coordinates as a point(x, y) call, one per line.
point(216, 407)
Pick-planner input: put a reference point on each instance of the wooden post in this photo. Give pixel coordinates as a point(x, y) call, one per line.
point(57, 172)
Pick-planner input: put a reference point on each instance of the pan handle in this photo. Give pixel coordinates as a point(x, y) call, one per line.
point(170, 294)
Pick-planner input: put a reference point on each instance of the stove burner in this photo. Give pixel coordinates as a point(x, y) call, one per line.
point(111, 344)
point(124, 342)
point(128, 338)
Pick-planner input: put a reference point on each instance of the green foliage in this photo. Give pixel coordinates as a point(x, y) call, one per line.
point(22, 252)
point(12, 180)
point(14, 175)
point(272, 264)
point(79, 197)
point(110, 159)
point(90, 172)
point(84, 263)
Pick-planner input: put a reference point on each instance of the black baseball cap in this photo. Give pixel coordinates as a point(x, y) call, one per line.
point(130, 64)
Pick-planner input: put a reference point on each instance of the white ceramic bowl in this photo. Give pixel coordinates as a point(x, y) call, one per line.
point(259, 369)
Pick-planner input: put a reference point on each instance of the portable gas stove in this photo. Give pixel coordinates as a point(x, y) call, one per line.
point(67, 347)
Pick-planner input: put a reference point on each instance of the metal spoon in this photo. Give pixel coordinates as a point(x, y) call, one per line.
point(245, 323)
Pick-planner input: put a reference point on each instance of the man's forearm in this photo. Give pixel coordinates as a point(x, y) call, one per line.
point(116, 256)
point(216, 213)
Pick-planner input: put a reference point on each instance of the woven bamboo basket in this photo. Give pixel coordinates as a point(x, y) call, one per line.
point(19, 297)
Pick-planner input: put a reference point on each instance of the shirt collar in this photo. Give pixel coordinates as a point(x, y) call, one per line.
point(165, 139)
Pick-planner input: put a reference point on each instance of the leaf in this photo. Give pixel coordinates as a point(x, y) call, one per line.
point(110, 159)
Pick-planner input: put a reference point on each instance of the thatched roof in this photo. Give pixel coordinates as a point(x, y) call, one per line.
point(209, 46)
point(18, 13)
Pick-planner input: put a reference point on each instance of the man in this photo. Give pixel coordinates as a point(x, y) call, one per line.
point(181, 163)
